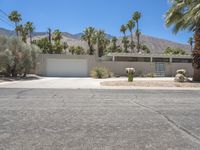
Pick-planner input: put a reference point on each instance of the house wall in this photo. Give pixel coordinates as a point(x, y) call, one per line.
point(117, 67)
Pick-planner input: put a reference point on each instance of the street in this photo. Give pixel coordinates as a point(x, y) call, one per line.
point(72, 119)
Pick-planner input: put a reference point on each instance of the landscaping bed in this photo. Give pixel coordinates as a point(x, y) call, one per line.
point(152, 83)
point(19, 78)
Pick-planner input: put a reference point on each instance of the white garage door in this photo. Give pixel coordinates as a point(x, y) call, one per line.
point(67, 67)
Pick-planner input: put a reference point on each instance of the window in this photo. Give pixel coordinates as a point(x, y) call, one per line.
point(182, 60)
point(161, 60)
point(133, 59)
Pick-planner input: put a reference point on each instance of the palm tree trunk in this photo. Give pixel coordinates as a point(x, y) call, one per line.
point(138, 38)
point(196, 56)
point(196, 76)
point(16, 29)
point(30, 36)
point(131, 42)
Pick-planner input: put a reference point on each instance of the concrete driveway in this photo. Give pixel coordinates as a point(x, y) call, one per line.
point(69, 119)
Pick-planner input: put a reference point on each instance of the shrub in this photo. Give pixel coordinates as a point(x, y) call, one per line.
point(174, 51)
point(130, 72)
point(180, 78)
point(16, 57)
point(181, 71)
point(101, 73)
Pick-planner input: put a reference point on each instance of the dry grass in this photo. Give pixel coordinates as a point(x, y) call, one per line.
point(152, 84)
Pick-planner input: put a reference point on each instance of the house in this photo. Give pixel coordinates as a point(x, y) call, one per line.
point(62, 65)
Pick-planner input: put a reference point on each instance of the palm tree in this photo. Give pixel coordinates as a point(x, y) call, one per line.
point(23, 32)
point(16, 18)
point(131, 26)
point(186, 15)
point(57, 36)
point(125, 42)
point(101, 41)
point(191, 42)
point(136, 18)
point(89, 37)
point(30, 28)
point(123, 30)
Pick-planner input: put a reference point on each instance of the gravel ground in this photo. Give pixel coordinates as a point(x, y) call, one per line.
point(151, 83)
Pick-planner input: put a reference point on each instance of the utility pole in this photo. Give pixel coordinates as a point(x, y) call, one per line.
point(49, 35)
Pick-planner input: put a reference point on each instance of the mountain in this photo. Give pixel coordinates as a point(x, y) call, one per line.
point(156, 45)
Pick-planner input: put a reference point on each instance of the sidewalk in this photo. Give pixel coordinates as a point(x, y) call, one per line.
point(83, 83)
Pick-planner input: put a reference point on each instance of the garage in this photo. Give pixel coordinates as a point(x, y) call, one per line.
point(67, 67)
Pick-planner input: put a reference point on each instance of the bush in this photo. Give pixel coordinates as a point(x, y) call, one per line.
point(130, 72)
point(101, 73)
point(181, 71)
point(16, 57)
point(180, 78)
point(174, 51)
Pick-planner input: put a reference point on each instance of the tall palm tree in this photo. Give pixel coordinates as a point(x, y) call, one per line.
point(89, 37)
point(30, 28)
point(16, 18)
point(101, 41)
point(23, 32)
point(191, 42)
point(185, 14)
point(136, 18)
point(131, 26)
point(57, 36)
point(123, 30)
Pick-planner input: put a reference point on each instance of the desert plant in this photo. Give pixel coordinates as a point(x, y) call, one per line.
point(181, 71)
point(130, 73)
point(180, 78)
point(101, 73)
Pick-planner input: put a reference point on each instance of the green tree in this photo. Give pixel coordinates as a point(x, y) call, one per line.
point(89, 37)
point(44, 45)
point(185, 14)
point(191, 42)
point(136, 18)
point(145, 49)
point(174, 51)
point(16, 57)
point(101, 41)
point(57, 36)
point(76, 50)
point(125, 43)
point(131, 26)
point(15, 17)
point(123, 29)
point(30, 28)
point(114, 48)
point(23, 32)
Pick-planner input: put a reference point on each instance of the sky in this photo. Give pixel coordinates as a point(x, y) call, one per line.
point(74, 16)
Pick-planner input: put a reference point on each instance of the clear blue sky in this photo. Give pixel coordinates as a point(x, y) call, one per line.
point(75, 15)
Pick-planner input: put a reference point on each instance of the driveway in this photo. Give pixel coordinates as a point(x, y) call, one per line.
point(70, 119)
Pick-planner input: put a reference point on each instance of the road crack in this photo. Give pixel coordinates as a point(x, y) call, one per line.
point(182, 129)
point(21, 92)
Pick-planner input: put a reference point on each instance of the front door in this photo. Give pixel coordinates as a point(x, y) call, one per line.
point(160, 69)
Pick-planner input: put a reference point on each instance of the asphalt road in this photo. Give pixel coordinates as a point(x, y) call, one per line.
point(61, 119)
